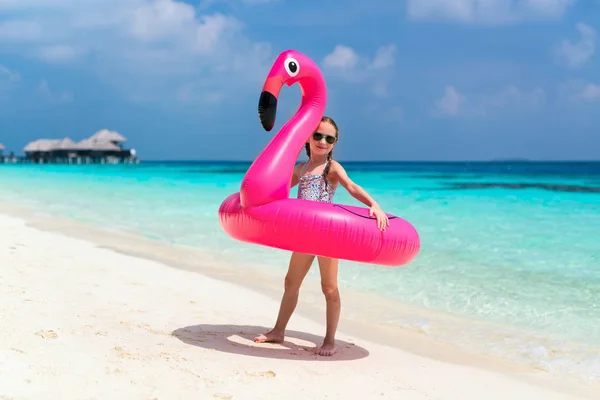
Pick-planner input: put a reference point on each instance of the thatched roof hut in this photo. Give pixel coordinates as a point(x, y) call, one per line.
point(103, 140)
point(104, 135)
point(104, 146)
point(65, 144)
point(41, 145)
point(92, 145)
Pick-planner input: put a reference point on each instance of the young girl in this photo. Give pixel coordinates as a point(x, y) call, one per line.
point(318, 179)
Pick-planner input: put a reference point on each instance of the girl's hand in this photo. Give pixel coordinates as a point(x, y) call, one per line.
point(382, 219)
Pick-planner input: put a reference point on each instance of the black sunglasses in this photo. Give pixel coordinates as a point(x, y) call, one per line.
point(318, 136)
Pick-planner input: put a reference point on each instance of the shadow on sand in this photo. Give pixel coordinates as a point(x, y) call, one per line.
point(238, 339)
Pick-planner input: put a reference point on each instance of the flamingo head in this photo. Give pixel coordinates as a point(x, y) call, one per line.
point(290, 67)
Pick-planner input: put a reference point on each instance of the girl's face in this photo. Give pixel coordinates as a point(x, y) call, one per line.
point(323, 140)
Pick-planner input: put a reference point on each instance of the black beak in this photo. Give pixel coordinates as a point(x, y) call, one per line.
point(267, 108)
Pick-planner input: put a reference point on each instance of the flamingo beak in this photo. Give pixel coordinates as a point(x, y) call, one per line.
point(267, 104)
point(267, 108)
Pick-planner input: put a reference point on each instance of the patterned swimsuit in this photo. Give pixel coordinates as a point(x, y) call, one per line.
point(312, 187)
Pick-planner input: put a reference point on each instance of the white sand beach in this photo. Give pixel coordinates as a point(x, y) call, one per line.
point(83, 322)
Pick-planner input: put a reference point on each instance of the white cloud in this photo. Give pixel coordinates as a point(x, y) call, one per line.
point(9, 79)
point(511, 98)
point(259, 2)
point(148, 49)
point(450, 103)
point(385, 57)
point(591, 92)
point(51, 96)
point(13, 5)
point(345, 63)
point(199, 91)
point(346, 57)
point(487, 12)
point(11, 76)
point(20, 30)
point(207, 3)
point(575, 55)
point(57, 53)
point(575, 91)
point(342, 57)
point(177, 22)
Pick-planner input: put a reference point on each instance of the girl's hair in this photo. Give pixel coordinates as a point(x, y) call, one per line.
point(330, 155)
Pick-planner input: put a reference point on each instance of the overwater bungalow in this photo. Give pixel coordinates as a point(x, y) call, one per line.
point(103, 147)
point(6, 159)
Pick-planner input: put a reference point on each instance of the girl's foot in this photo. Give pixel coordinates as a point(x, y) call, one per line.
point(270, 337)
point(327, 349)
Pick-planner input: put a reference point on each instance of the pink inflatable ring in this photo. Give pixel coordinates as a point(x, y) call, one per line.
point(262, 212)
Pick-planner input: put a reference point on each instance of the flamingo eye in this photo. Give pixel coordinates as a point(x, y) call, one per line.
point(292, 67)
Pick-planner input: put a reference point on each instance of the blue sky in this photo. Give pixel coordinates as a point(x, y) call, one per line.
point(407, 79)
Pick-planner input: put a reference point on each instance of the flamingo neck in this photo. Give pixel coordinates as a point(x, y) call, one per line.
point(269, 177)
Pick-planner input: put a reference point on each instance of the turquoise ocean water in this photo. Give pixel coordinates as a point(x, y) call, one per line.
point(513, 247)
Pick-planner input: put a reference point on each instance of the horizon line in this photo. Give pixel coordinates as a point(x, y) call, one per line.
point(500, 160)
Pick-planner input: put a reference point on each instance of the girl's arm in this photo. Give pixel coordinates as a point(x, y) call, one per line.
point(295, 175)
point(355, 190)
point(359, 194)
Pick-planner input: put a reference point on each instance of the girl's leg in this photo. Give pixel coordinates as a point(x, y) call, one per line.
point(299, 266)
point(329, 285)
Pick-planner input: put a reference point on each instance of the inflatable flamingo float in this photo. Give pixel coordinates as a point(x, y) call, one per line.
point(262, 212)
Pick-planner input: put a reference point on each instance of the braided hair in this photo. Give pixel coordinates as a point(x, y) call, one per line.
point(330, 155)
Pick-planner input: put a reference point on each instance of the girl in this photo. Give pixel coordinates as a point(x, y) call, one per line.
point(318, 179)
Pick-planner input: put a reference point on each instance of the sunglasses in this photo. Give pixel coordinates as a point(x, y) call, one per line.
point(317, 136)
